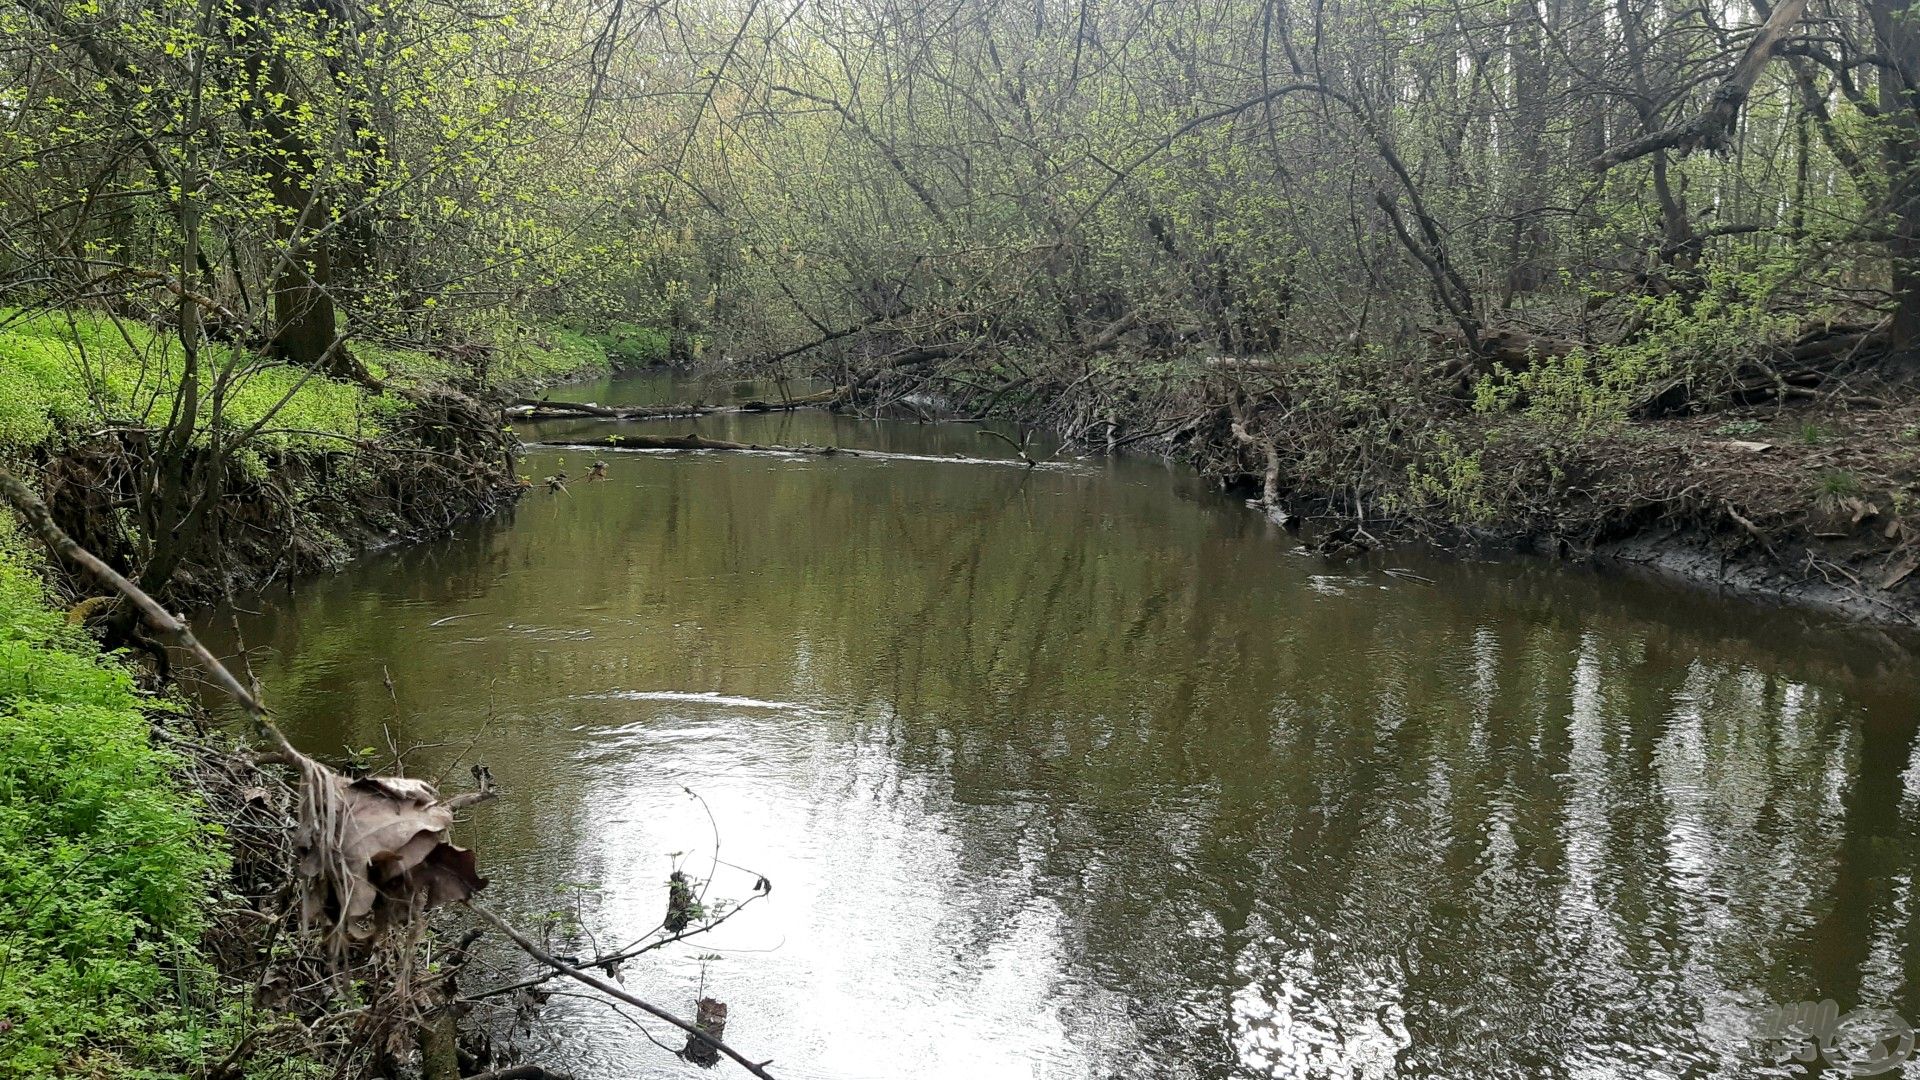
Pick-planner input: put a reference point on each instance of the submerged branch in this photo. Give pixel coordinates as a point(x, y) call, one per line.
point(692, 441)
point(544, 409)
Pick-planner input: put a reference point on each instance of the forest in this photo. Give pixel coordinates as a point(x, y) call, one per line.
point(1631, 279)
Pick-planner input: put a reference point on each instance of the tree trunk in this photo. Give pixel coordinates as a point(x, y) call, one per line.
point(1900, 94)
point(305, 323)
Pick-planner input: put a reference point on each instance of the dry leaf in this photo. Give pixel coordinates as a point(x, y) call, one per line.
point(374, 852)
point(1860, 509)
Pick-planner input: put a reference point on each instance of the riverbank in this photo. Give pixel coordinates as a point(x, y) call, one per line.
point(328, 468)
point(125, 857)
point(1811, 506)
point(1811, 499)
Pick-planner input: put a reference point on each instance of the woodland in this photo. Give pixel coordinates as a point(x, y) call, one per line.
point(274, 274)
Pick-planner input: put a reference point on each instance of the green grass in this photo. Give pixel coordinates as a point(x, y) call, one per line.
point(69, 371)
point(543, 352)
point(105, 865)
point(75, 371)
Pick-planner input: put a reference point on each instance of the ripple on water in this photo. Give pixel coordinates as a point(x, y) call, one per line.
point(700, 697)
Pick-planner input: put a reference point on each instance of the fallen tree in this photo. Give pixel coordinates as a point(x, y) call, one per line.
point(547, 409)
point(691, 441)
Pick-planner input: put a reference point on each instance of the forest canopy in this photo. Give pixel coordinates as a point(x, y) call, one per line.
point(1137, 221)
point(1000, 182)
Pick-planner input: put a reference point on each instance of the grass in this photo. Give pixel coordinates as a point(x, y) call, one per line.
point(108, 863)
point(72, 371)
point(67, 371)
point(105, 865)
point(1839, 484)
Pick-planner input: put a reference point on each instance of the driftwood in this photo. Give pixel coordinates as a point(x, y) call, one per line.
point(691, 441)
point(1270, 481)
point(547, 409)
point(529, 409)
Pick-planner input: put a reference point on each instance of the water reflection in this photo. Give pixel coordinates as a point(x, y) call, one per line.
point(1080, 773)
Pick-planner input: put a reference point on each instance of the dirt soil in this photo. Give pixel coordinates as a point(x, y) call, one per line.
point(1815, 504)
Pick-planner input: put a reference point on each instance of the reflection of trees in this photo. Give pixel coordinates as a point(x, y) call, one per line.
point(1288, 825)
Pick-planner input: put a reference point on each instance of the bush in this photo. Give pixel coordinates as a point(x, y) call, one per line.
point(630, 345)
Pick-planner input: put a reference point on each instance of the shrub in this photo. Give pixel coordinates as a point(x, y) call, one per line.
point(630, 345)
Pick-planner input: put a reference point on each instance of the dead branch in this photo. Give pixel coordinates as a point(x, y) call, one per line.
point(546, 409)
point(1712, 128)
point(1270, 483)
point(168, 625)
point(1019, 448)
point(542, 409)
point(528, 946)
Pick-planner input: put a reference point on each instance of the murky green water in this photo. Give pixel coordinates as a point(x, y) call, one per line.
point(1083, 772)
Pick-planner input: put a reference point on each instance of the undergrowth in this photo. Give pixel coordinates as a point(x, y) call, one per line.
point(105, 866)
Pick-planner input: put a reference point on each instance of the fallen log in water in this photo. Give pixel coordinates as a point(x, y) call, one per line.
point(691, 441)
point(547, 409)
point(529, 409)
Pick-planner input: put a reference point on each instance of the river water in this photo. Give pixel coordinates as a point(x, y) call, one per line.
point(1086, 771)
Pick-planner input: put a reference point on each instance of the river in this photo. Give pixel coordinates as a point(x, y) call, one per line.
point(1086, 771)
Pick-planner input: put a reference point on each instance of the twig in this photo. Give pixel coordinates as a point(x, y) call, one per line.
point(1018, 447)
point(528, 946)
point(1750, 528)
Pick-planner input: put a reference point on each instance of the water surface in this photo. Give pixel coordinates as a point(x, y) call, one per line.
point(1085, 771)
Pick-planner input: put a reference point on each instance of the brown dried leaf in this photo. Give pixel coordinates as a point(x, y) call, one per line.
point(378, 853)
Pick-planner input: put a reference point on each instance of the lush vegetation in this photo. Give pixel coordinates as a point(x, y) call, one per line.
point(105, 868)
point(71, 369)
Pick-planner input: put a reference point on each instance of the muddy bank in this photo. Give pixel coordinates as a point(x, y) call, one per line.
point(442, 458)
point(1809, 501)
point(1702, 560)
point(1810, 507)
